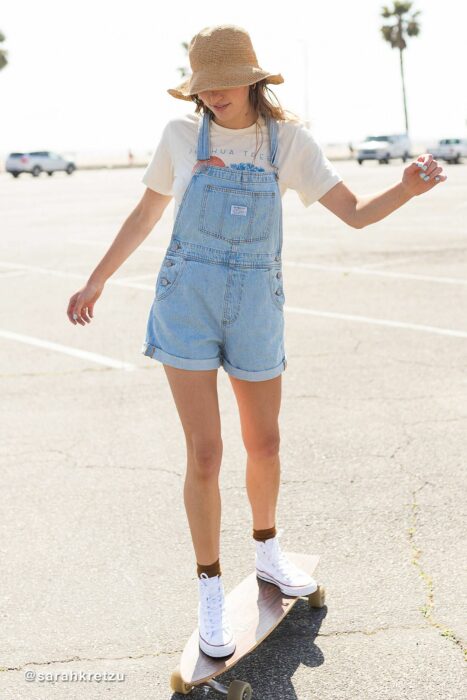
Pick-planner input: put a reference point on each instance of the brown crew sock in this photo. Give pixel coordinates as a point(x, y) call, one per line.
point(209, 569)
point(262, 535)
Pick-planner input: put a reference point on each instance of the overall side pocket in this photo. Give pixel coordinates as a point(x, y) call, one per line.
point(169, 275)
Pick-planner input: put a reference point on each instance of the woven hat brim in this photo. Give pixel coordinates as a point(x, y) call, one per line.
point(183, 91)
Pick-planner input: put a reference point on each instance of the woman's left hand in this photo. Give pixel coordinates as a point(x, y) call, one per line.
point(422, 175)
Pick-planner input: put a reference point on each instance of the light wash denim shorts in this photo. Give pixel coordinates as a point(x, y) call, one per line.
point(219, 295)
point(208, 314)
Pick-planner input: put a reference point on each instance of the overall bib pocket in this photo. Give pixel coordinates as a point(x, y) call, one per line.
point(276, 287)
point(236, 215)
point(169, 275)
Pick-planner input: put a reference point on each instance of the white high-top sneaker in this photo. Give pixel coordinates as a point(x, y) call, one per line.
point(215, 633)
point(272, 565)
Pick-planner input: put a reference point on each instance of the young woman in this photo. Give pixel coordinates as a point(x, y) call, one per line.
point(219, 294)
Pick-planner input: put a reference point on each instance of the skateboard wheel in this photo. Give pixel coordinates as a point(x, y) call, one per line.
point(178, 684)
point(316, 599)
point(239, 690)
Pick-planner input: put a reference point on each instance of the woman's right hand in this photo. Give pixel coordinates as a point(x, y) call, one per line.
point(82, 303)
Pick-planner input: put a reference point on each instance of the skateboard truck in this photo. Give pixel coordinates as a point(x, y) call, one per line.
point(237, 690)
point(240, 690)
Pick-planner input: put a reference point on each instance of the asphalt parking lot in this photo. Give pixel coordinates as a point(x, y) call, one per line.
point(98, 570)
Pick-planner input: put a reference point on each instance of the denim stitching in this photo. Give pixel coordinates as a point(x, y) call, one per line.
point(238, 299)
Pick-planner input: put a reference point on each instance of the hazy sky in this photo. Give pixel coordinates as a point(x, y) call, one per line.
point(94, 74)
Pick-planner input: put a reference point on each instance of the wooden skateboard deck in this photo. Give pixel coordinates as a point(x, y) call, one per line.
point(255, 609)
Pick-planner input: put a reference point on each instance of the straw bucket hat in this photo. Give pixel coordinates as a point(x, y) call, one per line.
point(222, 57)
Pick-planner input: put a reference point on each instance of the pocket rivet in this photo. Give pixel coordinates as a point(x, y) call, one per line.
point(164, 281)
point(279, 275)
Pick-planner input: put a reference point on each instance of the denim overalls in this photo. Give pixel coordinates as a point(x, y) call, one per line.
point(219, 294)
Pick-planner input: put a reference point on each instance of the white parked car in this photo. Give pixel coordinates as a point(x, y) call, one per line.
point(450, 150)
point(36, 162)
point(383, 148)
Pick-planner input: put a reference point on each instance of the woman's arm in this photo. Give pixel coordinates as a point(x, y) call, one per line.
point(360, 211)
point(134, 230)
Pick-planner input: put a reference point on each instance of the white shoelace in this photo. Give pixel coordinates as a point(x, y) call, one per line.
point(215, 606)
point(285, 566)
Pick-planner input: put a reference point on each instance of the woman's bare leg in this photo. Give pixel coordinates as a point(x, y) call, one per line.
point(196, 399)
point(259, 405)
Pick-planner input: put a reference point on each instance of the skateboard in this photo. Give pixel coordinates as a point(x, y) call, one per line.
point(255, 607)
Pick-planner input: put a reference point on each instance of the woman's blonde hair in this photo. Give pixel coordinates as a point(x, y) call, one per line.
point(259, 98)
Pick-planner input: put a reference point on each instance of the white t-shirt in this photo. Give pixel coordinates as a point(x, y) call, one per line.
point(302, 164)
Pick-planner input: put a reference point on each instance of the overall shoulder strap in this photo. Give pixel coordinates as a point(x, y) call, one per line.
point(273, 141)
point(203, 149)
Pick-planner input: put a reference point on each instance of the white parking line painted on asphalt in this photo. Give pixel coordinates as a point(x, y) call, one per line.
point(379, 273)
point(312, 239)
point(107, 244)
point(132, 285)
point(75, 275)
point(376, 321)
point(36, 268)
point(57, 347)
point(12, 273)
point(382, 263)
point(148, 275)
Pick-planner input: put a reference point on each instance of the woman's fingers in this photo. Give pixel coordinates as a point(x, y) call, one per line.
point(423, 174)
point(81, 305)
point(424, 160)
point(71, 309)
point(425, 163)
point(436, 171)
point(429, 168)
point(76, 311)
point(77, 315)
point(84, 314)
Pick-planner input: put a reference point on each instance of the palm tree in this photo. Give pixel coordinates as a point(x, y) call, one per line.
point(3, 53)
point(394, 34)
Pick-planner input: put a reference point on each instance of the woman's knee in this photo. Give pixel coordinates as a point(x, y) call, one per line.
point(264, 446)
point(205, 456)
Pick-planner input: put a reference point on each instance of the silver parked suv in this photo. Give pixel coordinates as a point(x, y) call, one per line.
point(36, 162)
point(383, 148)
